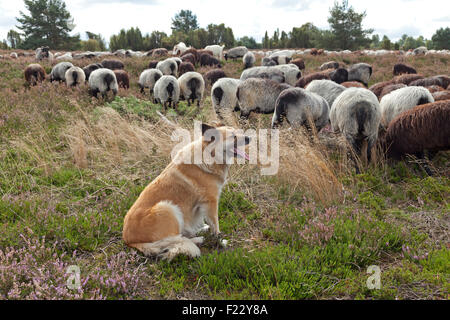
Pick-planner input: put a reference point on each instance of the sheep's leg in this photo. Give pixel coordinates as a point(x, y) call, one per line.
point(425, 163)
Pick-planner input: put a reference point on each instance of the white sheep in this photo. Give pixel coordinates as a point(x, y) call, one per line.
point(167, 91)
point(148, 78)
point(59, 71)
point(192, 87)
point(249, 60)
point(327, 89)
point(236, 52)
point(265, 73)
point(401, 100)
point(223, 96)
point(180, 48)
point(101, 81)
point(216, 50)
point(75, 76)
point(168, 67)
point(360, 72)
point(291, 72)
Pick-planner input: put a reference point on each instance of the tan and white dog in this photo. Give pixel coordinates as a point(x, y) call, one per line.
point(172, 208)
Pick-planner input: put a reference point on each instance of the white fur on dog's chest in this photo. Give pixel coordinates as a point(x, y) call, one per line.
point(199, 213)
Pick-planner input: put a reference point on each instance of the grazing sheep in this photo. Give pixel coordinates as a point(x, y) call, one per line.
point(389, 88)
point(303, 81)
point(223, 96)
point(75, 76)
point(291, 72)
point(234, 53)
point(208, 60)
point(441, 95)
point(258, 95)
point(299, 107)
point(185, 67)
point(167, 91)
point(91, 67)
point(329, 65)
point(159, 52)
point(352, 84)
point(216, 50)
point(189, 57)
point(264, 73)
point(280, 59)
point(59, 71)
point(299, 63)
point(377, 88)
point(213, 75)
point(192, 87)
point(360, 72)
point(400, 100)
point(338, 75)
point(179, 48)
point(356, 113)
point(123, 79)
point(13, 55)
point(152, 64)
point(313, 52)
point(434, 88)
point(192, 51)
point(406, 78)
point(268, 62)
point(327, 89)
point(420, 50)
point(426, 82)
point(112, 64)
point(168, 67)
point(423, 128)
point(66, 56)
point(445, 80)
point(177, 61)
point(249, 60)
point(401, 68)
point(43, 53)
point(101, 81)
point(34, 73)
point(148, 78)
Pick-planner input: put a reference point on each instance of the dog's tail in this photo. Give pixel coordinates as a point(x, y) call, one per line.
point(170, 247)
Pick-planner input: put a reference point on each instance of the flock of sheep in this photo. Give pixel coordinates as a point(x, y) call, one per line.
point(408, 114)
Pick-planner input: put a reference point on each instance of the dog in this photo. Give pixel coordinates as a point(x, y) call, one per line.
point(172, 209)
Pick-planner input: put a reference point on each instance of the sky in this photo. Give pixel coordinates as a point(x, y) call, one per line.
point(246, 17)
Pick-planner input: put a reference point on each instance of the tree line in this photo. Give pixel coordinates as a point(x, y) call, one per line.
point(49, 23)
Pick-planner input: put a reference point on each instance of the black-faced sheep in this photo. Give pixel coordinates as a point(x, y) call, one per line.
point(389, 88)
point(280, 59)
point(291, 72)
point(356, 114)
point(59, 71)
point(338, 75)
point(123, 79)
point(192, 87)
point(148, 78)
point(167, 91)
point(258, 95)
point(299, 63)
point(89, 68)
point(268, 62)
point(101, 81)
point(185, 67)
point(300, 108)
point(234, 53)
point(168, 67)
point(213, 75)
point(303, 81)
point(327, 89)
point(360, 72)
point(329, 65)
point(249, 60)
point(75, 76)
point(43, 53)
point(400, 100)
point(34, 73)
point(208, 60)
point(401, 68)
point(223, 96)
point(112, 64)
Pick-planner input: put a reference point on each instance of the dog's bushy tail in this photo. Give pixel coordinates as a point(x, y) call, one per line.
point(170, 247)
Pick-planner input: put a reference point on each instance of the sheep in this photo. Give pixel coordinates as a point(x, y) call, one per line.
point(148, 78)
point(268, 62)
point(291, 72)
point(249, 60)
point(34, 73)
point(59, 71)
point(152, 64)
point(427, 82)
point(441, 95)
point(234, 53)
point(401, 100)
point(389, 88)
point(303, 81)
point(208, 60)
point(356, 114)
point(112, 64)
point(91, 67)
point(327, 89)
point(167, 91)
point(445, 80)
point(258, 95)
point(43, 53)
point(360, 72)
point(329, 65)
point(101, 81)
point(123, 79)
point(377, 88)
point(189, 57)
point(265, 73)
point(338, 75)
point(401, 68)
point(423, 128)
point(299, 107)
point(406, 78)
point(286, 53)
point(299, 63)
point(223, 96)
point(168, 67)
point(434, 88)
point(185, 67)
point(279, 59)
point(179, 48)
point(66, 56)
point(177, 61)
point(75, 76)
point(213, 75)
point(217, 50)
point(159, 52)
point(192, 87)
point(352, 84)
point(13, 55)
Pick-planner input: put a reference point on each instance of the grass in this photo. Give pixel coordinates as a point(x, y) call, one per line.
point(71, 166)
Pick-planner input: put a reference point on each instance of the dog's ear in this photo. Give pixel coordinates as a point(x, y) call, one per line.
point(206, 127)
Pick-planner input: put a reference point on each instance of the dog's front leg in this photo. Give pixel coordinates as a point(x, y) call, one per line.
point(212, 217)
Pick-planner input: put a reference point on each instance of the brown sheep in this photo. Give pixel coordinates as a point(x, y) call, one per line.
point(189, 57)
point(329, 65)
point(299, 63)
point(159, 52)
point(191, 51)
point(401, 68)
point(445, 80)
point(434, 88)
point(303, 81)
point(389, 88)
point(185, 67)
point(207, 60)
point(430, 81)
point(112, 64)
point(314, 52)
point(123, 80)
point(152, 64)
point(320, 52)
point(423, 128)
point(406, 78)
point(352, 84)
point(34, 73)
point(378, 87)
point(213, 75)
point(441, 95)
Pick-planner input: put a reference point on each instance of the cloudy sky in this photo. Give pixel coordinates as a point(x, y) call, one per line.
point(245, 17)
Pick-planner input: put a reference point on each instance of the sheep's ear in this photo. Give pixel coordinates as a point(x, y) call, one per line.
point(206, 127)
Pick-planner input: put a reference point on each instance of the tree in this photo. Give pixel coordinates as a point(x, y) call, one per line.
point(305, 36)
point(219, 34)
point(97, 37)
point(48, 23)
point(14, 39)
point(375, 41)
point(441, 39)
point(346, 27)
point(184, 21)
point(266, 41)
point(248, 42)
point(386, 43)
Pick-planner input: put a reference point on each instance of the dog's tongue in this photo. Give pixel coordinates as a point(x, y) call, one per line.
point(241, 153)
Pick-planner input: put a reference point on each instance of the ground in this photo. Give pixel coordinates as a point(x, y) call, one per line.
point(71, 166)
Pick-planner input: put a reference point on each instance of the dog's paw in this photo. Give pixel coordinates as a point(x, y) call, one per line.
point(198, 240)
point(205, 227)
point(224, 243)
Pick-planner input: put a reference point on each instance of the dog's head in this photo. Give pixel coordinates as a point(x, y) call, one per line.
point(230, 141)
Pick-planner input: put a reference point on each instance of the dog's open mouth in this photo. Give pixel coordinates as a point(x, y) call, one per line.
point(241, 153)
